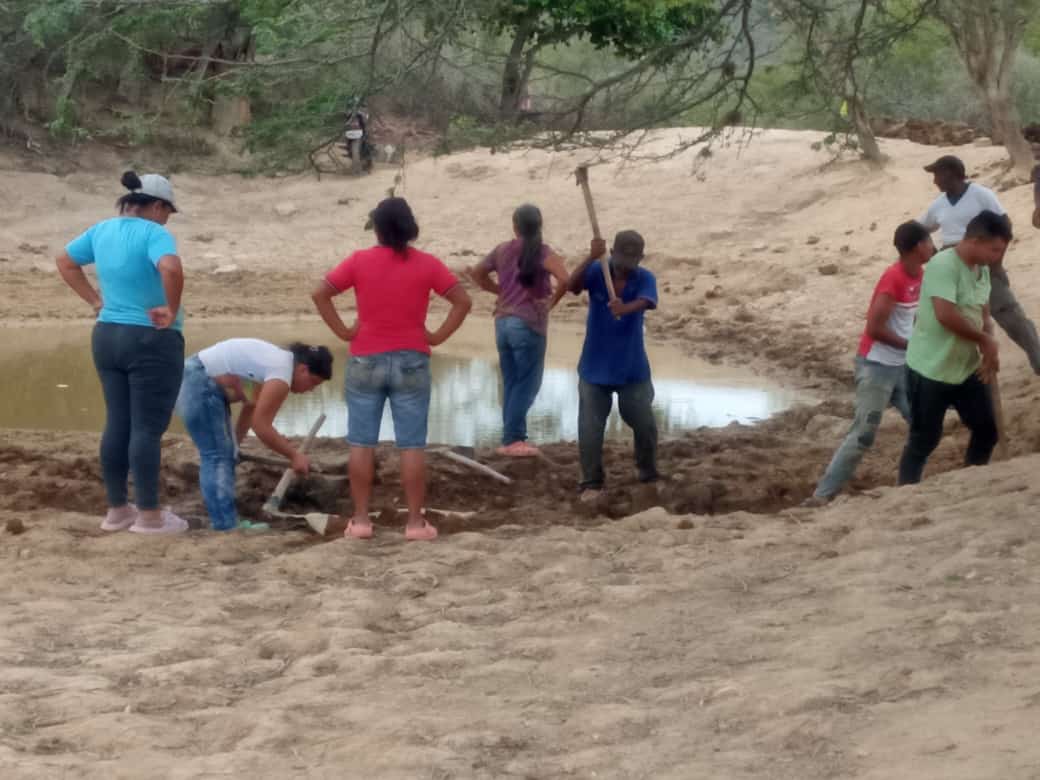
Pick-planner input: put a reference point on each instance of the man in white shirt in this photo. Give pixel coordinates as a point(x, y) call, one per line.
point(960, 202)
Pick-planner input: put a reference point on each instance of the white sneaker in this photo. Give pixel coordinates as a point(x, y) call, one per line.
point(171, 524)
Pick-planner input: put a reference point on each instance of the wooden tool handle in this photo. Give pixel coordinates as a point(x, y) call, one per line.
point(998, 415)
point(582, 174)
point(463, 460)
point(262, 460)
point(283, 484)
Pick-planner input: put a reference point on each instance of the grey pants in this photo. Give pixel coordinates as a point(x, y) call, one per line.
point(635, 403)
point(877, 387)
point(1008, 313)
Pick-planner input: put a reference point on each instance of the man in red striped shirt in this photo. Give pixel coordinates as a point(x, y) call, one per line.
point(881, 358)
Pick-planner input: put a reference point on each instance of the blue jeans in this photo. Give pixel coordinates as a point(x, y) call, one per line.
point(877, 387)
point(521, 357)
point(204, 409)
point(140, 372)
point(403, 378)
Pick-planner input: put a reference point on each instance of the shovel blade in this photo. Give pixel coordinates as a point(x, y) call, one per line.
point(326, 525)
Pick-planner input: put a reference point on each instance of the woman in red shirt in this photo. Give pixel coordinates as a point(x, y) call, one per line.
point(390, 354)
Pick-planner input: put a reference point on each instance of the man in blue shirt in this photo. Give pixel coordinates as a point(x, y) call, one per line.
point(614, 360)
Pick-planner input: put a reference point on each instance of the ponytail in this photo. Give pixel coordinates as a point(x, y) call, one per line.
point(132, 182)
point(317, 359)
point(528, 223)
point(395, 224)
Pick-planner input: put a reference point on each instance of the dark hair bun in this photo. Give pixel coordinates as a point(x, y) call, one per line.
point(317, 359)
point(395, 224)
point(131, 181)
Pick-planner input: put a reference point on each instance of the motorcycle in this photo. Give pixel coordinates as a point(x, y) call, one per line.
point(356, 144)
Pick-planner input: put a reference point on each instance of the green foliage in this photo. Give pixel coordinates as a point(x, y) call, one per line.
point(65, 124)
point(629, 27)
point(135, 69)
point(466, 132)
point(282, 135)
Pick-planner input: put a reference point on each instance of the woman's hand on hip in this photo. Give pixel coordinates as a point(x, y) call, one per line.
point(349, 334)
point(161, 317)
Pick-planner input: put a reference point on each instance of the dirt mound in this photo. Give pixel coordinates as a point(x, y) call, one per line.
point(762, 468)
point(932, 132)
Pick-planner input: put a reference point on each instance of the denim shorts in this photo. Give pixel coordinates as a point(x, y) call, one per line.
point(403, 377)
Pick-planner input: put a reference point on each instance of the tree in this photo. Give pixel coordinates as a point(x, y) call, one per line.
point(630, 28)
point(987, 34)
point(301, 63)
point(843, 42)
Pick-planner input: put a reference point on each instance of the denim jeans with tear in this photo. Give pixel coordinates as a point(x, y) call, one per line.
point(877, 387)
point(204, 409)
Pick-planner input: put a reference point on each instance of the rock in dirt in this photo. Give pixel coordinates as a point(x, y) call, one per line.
point(229, 268)
point(15, 526)
point(812, 240)
point(287, 209)
point(714, 292)
point(649, 519)
point(830, 269)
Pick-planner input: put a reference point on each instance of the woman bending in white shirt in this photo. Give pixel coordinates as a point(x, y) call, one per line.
point(260, 376)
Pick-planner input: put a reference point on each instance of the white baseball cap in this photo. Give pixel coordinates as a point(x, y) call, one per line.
point(157, 186)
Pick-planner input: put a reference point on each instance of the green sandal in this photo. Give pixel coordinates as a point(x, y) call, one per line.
point(249, 525)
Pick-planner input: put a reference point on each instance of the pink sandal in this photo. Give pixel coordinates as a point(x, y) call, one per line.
point(519, 449)
point(421, 533)
point(357, 531)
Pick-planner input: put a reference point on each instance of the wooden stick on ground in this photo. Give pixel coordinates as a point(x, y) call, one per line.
point(274, 503)
point(282, 463)
point(998, 414)
point(463, 460)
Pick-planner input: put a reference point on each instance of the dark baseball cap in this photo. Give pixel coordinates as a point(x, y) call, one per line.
point(628, 244)
point(950, 163)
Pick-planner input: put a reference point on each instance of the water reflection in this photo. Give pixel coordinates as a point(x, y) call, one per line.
point(465, 408)
point(47, 381)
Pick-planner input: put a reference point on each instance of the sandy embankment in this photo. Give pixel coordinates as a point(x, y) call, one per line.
point(892, 635)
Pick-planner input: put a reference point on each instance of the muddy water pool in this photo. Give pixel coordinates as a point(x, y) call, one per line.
point(47, 381)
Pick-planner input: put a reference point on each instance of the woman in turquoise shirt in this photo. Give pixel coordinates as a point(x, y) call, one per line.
point(137, 343)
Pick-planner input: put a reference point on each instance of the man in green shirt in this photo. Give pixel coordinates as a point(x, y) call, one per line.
point(952, 355)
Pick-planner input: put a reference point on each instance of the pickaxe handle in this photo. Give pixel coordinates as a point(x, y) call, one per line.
point(582, 174)
point(998, 414)
point(275, 501)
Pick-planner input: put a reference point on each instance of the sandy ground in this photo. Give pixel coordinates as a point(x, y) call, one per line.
point(722, 634)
